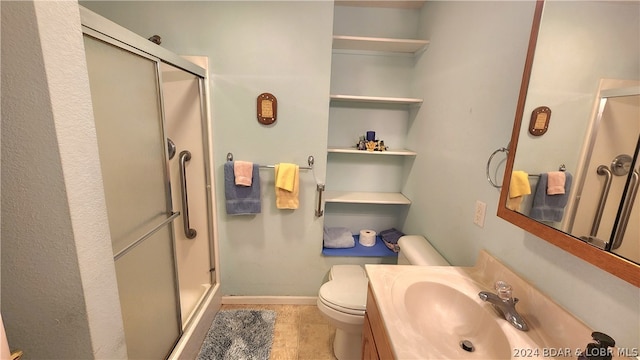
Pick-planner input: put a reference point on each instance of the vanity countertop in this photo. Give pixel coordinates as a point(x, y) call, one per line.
point(553, 331)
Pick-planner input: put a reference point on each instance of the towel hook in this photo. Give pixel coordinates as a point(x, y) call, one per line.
point(502, 149)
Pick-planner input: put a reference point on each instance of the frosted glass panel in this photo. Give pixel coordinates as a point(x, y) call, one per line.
point(147, 297)
point(131, 143)
point(126, 106)
point(184, 125)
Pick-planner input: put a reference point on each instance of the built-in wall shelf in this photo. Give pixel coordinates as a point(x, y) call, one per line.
point(400, 152)
point(397, 4)
point(376, 99)
point(377, 250)
point(362, 43)
point(355, 197)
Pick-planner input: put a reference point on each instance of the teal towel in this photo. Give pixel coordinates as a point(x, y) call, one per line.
point(549, 208)
point(241, 200)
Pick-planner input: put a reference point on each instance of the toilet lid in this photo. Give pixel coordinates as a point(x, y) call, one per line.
point(345, 294)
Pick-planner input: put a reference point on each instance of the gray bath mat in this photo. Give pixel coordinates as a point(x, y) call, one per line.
point(239, 334)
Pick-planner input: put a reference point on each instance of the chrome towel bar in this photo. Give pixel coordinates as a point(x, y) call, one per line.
point(310, 161)
point(146, 235)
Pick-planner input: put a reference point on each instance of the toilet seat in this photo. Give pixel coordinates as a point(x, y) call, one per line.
point(345, 295)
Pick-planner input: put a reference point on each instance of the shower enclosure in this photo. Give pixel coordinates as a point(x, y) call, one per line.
point(607, 214)
point(150, 114)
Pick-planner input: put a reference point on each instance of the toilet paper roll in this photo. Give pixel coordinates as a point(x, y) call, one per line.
point(367, 238)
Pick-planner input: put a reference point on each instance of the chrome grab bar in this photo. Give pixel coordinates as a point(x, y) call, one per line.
point(145, 236)
point(602, 170)
point(188, 231)
point(320, 189)
point(626, 211)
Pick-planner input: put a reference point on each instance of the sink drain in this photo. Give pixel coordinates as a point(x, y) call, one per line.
point(467, 345)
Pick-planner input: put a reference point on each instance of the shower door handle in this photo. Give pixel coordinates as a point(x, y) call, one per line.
point(188, 231)
point(626, 211)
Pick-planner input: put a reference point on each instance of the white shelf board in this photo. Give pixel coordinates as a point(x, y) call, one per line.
point(354, 197)
point(376, 99)
point(398, 4)
point(402, 152)
point(407, 46)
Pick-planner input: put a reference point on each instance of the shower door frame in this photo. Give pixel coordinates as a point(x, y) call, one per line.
point(100, 28)
point(611, 91)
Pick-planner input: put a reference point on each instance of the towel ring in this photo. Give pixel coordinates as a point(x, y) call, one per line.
point(502, 149)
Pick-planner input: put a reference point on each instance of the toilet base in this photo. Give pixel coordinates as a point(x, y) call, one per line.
point(347, 345)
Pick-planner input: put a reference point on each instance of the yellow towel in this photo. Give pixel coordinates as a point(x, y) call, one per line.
point(518, 187)
point(519, 184)
point(287, 185)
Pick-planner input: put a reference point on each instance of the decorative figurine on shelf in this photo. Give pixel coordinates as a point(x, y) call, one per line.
point(381, 146)
point(361, 145)
point(371, 145)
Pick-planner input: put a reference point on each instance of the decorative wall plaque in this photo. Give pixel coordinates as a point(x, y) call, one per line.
point(267, 109)
point(539, 123)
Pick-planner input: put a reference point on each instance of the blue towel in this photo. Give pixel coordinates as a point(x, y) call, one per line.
point(338, 238)
point(242, 200)
point(391, 235)
point(390, 238)
point(549, 208)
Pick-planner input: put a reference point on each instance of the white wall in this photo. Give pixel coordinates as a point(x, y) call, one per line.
point(470, 79)
point(59, 293)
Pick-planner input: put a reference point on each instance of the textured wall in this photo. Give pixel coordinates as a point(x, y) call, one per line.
point(59, 295)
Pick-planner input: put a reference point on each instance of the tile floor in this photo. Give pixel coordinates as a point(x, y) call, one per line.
point(301, 332)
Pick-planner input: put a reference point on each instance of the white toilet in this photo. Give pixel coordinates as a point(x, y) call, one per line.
point(343, 299)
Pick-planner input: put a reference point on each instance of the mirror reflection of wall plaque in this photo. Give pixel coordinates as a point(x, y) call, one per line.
point(267, 109)
point(539, 122)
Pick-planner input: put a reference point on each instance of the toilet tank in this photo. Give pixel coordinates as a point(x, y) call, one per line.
point(416, 250)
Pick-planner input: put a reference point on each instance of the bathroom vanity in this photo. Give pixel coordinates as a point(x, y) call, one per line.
point(434, 312)
point(375, 342)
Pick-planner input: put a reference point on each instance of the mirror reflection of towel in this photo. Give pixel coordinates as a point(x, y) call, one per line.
point(555, 182)
point(547, 207)
point(518, 188)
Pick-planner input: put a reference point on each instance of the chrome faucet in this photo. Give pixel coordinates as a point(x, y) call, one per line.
point(505, 304)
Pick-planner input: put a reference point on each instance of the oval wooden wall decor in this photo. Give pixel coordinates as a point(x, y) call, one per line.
point(539, 123)
point(267, 108)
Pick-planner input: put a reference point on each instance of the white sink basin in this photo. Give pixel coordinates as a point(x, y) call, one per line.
point(457, 327)
point(428, 311)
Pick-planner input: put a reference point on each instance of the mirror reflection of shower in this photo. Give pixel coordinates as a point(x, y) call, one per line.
point(604, 213)
point(626, 239)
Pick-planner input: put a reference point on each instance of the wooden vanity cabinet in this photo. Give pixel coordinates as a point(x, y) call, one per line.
point(375, 341)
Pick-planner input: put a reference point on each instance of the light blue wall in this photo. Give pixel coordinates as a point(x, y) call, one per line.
point(253, 47)
point(470, 78)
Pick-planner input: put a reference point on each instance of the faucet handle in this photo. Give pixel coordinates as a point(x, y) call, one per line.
point(503, 290)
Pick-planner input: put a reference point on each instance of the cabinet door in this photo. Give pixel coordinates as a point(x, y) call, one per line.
point(369, 351)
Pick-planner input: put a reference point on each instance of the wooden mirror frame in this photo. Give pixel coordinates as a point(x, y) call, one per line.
point(607, 261)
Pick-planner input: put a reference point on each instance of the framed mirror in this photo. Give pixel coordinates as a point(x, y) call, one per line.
point(573, 179)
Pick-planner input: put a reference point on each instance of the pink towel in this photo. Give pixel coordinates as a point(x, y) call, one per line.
point(243, 172)
point(555, 182)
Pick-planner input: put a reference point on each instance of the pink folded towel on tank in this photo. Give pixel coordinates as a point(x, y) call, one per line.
point(555, 182)
point(243, 171)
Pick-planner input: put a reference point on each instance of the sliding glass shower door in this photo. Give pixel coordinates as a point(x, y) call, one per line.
point(128, 115)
